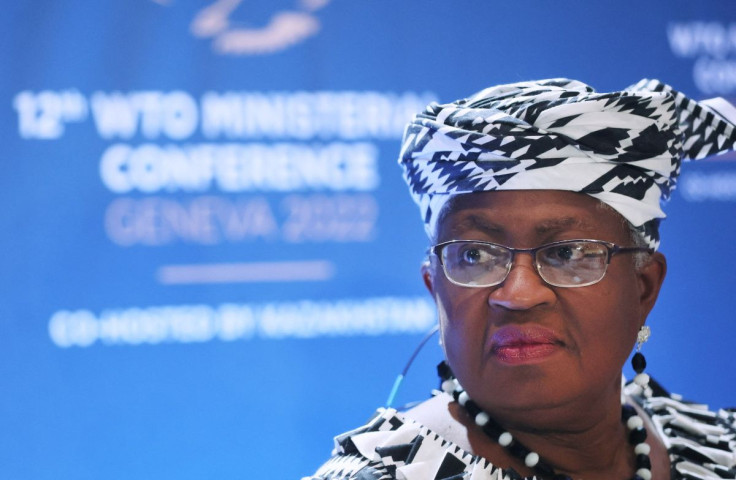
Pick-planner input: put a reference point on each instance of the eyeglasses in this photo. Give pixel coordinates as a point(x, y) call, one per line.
point(568, 263)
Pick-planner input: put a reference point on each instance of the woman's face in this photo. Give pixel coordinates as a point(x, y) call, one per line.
point(524, 344)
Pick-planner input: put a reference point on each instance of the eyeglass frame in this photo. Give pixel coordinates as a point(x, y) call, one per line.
point(611, 248)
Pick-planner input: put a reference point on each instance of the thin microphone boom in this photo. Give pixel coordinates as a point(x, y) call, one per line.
point(400, 377)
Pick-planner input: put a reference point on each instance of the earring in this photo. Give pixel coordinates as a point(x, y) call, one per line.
point(639, 363)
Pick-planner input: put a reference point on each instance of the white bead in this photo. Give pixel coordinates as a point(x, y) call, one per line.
point(648, 392)
point(481, 419)
point(634, 422)
point(531, 459)
point(642, 380)
point(642, 449)
point(644, 473)
point(505, 439)
point(463, 398)
point(448, 386)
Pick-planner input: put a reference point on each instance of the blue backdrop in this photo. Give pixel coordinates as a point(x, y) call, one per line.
point(210, 262)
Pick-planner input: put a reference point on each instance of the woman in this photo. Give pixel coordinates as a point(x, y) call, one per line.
point(541, 201)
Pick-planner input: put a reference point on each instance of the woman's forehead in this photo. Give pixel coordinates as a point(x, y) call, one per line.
point(528, 212)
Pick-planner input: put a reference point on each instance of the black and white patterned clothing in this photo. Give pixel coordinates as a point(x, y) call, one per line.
point(624, 148)
point(701, 446)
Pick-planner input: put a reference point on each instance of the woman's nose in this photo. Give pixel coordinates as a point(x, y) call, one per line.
point(523, 288)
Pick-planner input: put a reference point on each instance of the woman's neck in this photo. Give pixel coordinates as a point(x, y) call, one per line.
point(582, 440)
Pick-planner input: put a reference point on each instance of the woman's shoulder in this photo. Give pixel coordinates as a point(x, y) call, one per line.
point(400, 445)
point(701, 442)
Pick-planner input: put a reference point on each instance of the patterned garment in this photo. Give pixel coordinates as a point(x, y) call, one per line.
point(701, 446)
point(623, 148)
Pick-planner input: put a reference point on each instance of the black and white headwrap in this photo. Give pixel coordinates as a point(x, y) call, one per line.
point(624, 148)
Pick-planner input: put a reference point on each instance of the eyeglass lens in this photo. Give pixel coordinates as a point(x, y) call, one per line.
point(573, 264)
point(569, 264)
point(476, 264)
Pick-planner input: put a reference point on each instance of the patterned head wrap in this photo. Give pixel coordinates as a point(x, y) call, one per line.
point(623, 148)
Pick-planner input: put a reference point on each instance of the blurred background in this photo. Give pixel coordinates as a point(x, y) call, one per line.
point(210, 261)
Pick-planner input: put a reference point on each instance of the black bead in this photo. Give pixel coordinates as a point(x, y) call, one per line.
point(492, 429)
point(472, 408)
point(637, 436)
point(443, 370)
point(642, 461)
point(518, 450)
point(638, 362)
point(560, 476)
point(544, 470)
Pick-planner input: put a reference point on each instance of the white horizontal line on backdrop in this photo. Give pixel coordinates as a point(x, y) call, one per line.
point(299, 271)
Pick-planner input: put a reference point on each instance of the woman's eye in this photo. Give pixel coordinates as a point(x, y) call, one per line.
point(566, 253)
point(472, 256)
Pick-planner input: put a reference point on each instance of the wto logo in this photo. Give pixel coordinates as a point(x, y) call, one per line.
point(284, 29)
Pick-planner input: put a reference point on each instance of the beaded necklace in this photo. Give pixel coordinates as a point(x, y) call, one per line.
point(629, 417)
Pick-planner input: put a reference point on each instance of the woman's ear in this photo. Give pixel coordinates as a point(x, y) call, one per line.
point(651, 276)
point(427, 270)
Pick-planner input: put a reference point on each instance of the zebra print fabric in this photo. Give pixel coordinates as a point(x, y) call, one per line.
point(624, 148)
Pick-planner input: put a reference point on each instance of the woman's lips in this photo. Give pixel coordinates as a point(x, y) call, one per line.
point(519, 345)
